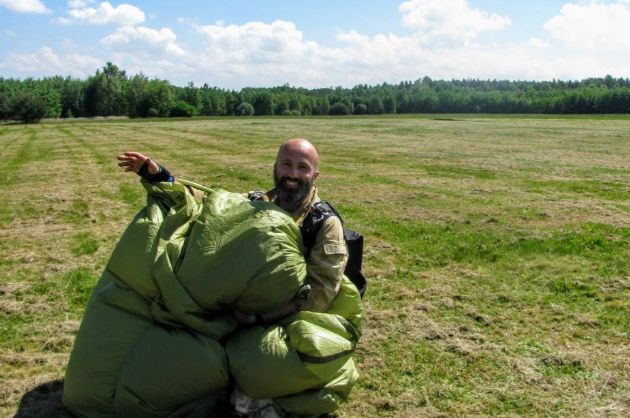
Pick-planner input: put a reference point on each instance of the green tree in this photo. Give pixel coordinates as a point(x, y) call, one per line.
point(232, 100)
point(159, 98)
point(110, 92)
point(245, 109)
point(339, 108)
point(322, 107)
point(375, 106)
point(72, 98)
point(281, 105)
point(28, 107)
point(136, 96)
point(104, 94)
point(389, 104)
point(212, 101)
point(183, 109)
point(295, 104)
point(191, 95)
point(360, 109)
point(51, 98)
point(5, 107)
point(264, 103)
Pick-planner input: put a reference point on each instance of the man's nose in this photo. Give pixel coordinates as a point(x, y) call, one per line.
point(293, 172)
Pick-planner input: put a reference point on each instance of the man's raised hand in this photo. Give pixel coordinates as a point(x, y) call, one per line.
point(133, 161)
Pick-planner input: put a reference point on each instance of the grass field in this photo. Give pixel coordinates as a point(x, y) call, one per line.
point(497, 249)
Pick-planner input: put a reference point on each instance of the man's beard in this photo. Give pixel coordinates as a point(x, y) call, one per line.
point(291, 199)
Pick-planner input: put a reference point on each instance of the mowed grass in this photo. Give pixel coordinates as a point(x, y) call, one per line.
point(497, 248)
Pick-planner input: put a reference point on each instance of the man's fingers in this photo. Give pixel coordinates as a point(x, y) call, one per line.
point(132, 161)
point(135, 154)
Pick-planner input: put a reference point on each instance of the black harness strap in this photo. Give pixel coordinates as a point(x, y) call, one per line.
point(316, 216)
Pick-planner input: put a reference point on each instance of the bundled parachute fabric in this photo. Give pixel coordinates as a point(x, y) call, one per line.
point(303, 362)
point(243, 254)
point(324, 400)
point(148, 345)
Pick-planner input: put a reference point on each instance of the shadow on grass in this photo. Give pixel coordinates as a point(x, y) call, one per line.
point(43, 401)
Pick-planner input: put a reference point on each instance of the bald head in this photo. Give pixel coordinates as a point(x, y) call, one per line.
point(302, 147)
point(295, 172)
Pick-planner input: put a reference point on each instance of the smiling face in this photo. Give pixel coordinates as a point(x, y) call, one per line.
point(295, 172)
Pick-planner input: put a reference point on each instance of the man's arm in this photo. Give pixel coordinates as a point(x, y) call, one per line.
point(325, 265)
point(144, 166)
point(151, 171)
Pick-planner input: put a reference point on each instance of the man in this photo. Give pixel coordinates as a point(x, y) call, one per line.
point(295, 174)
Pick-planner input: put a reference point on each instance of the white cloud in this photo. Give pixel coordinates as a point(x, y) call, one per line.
point(267, 42)
point(47, 62)
point(186, 21)
point(276, 53)
point(78, 4)
point(386, 56)
point(393, 58)
point(103, 14)
point(69, 44)
point(537, 43)
point(9, 33)
point(25, 6)
point(163, 40)
point(450, 19)
point(268, 54)
point(593, 26)
point(256, 43)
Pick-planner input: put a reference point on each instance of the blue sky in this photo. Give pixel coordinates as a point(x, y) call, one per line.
point(317, 44)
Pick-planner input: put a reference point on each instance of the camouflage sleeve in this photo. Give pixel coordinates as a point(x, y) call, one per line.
point(325, 265)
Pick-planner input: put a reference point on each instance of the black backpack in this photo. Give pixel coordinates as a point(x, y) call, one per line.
point(316, 216)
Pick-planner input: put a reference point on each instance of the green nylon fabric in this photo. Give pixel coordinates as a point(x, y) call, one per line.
point(348, 305)
point(148, 343)
point(324, 400)
point(304, 361)
point(253, 255)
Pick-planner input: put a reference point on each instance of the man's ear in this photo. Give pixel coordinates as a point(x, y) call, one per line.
point(315, 175)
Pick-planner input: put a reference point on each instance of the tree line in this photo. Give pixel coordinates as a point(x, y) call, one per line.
point(111, 92)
